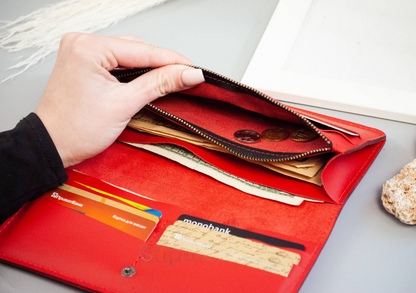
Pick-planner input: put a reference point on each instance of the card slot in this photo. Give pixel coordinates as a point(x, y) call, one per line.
point(80, 181)
point(343, 143)
point(68, 245)
point(91, 254)
point(254, 266)
point(184, 271)
point(330, 132)
point(226, 246)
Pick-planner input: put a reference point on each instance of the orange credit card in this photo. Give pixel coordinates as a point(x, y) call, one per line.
point(128, 219)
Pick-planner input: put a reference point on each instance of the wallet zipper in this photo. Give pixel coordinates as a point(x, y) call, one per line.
point(139, 72)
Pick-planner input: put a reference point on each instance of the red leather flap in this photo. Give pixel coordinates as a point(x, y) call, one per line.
point(228, 92)
point(63, 243)
point(166, 181)
point(343, 172)
point(66, 245)
point(89, 254)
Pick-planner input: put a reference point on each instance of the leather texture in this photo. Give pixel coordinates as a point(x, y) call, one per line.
point(63, 244)
point(68, 246)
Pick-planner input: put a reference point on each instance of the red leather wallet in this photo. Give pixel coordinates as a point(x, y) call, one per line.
point(218, 108)
point(63, 244)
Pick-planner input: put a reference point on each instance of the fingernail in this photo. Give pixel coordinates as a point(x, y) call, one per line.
point(192, 77)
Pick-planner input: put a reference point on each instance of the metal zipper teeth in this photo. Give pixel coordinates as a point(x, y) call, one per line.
point(131, 73)
point(188, 125)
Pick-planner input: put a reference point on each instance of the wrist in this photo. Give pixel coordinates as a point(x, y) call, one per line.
point(55, 136)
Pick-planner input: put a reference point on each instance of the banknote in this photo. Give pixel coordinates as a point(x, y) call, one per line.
point(188, 159)
point(307, 169)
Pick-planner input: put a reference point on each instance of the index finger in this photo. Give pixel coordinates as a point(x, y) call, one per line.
point(131, 52)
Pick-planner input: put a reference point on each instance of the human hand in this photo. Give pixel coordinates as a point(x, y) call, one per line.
point(84, 108)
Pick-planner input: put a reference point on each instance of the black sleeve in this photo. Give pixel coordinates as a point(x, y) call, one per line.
point(29, 165)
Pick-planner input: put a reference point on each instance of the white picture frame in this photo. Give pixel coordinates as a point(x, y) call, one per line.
point(278, 68)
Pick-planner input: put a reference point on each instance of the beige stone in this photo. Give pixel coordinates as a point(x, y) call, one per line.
point(399, 194)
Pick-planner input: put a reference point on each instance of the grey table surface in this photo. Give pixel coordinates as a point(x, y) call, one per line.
point(368, 250)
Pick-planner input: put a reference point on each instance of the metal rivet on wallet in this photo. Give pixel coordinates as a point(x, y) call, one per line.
point(247, 136)
point(128, 271)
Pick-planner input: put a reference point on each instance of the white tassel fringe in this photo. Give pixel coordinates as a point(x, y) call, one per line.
point(43, 28)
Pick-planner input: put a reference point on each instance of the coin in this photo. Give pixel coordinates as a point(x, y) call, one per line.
point(247, 136)
point(304, 135)
point(275, 134)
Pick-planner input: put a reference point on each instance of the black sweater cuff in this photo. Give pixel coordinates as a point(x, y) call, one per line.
point(30, 165)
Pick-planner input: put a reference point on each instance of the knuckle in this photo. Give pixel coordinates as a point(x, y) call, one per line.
point(76, 43)
point(164, 84)
point(67, 37)
point(150, 47)
point(133, 38)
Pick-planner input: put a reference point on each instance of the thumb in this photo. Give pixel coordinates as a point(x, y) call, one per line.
point(162, 81)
